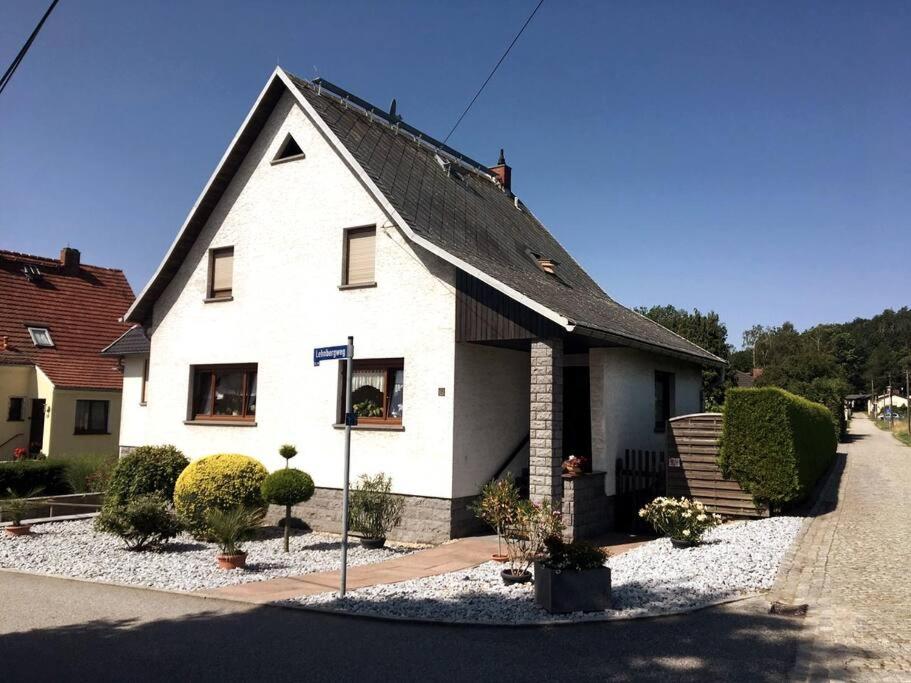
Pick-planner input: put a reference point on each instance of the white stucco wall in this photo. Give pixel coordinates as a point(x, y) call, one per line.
point(623, 400)
point(134, 423)
point(286, 225)
point(491, 413)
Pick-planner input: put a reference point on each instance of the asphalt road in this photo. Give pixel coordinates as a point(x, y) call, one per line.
point(57, 629)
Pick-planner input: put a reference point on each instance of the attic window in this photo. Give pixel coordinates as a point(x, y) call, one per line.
point(41, 336)
point(289, 151)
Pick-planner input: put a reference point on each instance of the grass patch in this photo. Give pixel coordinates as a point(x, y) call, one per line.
point(88, 473)
point(900, 432)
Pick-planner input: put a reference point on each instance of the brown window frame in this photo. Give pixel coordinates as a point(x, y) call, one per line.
point(11, 414)
point(244, 417)
point(107, 417)
point(346, 246)
point(390, 365)
point(145, 382)
point(211, 293)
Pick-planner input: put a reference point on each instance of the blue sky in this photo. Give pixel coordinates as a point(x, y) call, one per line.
point(748, 157)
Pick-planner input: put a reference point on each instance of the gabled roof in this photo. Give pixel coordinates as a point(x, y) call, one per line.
point(460, 213)
point(82, 310)
point(132, 342)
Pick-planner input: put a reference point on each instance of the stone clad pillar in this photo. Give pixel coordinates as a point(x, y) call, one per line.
point(546, 421)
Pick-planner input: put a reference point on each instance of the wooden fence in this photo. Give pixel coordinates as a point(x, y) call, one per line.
point(693, 471)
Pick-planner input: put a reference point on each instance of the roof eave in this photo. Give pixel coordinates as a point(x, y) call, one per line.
point(709, 360)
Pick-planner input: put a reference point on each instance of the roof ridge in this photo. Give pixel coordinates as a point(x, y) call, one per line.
point(19, 255)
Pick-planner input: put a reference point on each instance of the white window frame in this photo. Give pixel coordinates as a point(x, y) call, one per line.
point(34, 333)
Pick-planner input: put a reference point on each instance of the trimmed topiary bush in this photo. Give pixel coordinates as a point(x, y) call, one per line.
point(775, 444)
point(49, 477)
point(146, 521)
point(220, 482)
point(287, 487)
point(147, 469)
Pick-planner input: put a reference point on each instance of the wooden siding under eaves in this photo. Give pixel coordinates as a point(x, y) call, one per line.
point(484, 314)
point(693, 471)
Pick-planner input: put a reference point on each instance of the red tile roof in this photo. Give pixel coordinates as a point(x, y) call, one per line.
point(81, 310)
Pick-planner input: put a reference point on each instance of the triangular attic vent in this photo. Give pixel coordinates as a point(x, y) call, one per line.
point(289, 150)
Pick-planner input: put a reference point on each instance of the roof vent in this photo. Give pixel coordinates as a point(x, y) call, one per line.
point(32, 273)
point(549, 266)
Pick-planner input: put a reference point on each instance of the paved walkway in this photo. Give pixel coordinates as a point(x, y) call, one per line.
point(853, 566)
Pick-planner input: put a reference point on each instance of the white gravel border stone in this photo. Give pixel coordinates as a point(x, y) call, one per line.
point(75, 550)
point(736, 560)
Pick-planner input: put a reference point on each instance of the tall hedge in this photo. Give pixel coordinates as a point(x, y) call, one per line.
point(49, 477)
point(775, 444)
point(146, 469)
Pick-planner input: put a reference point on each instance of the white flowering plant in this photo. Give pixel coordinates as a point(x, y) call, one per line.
point(680, 518)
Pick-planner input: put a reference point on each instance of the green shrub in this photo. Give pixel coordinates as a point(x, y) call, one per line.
point(775, 444)
point(47, 476)
point(374, 511)
point(146, 521)
point(88, 473)
point(221, 482)
point(147, 469)
point(287, 487)
point(231, 527)
point(577, 556)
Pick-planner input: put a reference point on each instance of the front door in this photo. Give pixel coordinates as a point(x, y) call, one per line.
point(36, 427)
point(577, 426)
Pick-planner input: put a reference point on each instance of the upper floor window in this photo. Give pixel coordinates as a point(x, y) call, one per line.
point(288, 151)
point(359, 258)
point(91, 417)
point(224, 392)
point(221, 273)
point(41, 336)
point(377, 390)
point(664, 399)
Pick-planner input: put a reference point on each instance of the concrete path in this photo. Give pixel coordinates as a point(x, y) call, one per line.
point(853, 566)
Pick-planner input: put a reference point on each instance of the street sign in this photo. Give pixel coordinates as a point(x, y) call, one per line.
point(322, 353)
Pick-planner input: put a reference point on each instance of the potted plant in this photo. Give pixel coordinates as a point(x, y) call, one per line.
point(17, 507)
point(497, 507)
point(525, 535)
point(574, 465)
point(682, 519)
point(230, 528)
point(374, 511)
point(572, 578)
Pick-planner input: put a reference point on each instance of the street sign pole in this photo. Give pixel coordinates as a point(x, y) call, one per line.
point(349, 418)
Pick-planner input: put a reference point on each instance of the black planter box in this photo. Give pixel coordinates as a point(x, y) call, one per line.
point(564, 591)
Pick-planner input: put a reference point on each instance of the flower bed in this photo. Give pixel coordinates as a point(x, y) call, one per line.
point(75, 549)
point(736, 560)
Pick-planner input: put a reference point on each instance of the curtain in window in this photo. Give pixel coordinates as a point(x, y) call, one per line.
point(397, 401)
point(222, 272)
point(229, 393)
point(368, 386)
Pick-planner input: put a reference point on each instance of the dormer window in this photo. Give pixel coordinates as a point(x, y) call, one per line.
point(41, 336)
point(289, 150)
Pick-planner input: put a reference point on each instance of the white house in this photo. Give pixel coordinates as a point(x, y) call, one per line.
point(879, 404)
point(481, 345)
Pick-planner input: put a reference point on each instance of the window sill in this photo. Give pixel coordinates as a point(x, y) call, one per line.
point(296, 157)
point(221, 423)
point(373, 427)
point(357, 285)
point(91, 433)
point(217, 299)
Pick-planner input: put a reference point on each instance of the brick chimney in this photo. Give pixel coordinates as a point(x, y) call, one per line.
point(503, 173)
point(69, 260)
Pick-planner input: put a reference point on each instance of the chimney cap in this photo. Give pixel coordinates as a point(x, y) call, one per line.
point(502, 160)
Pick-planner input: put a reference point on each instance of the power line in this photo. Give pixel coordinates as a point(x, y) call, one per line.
point(11, 69)
point(493, 71)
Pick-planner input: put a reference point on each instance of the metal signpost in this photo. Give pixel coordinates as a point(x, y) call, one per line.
point(345, 353)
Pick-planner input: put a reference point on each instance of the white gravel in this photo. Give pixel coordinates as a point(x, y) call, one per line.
point(737, 559)
point(75, 549)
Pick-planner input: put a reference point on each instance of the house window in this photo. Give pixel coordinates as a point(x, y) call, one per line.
point(664, 396)
point(15, 413)
point(145, 381)
point(360, 255)
point(377, 391)
point(41, 336)
point(91, 417)
point(289, 150)
point(221, 273)
point(224, 392)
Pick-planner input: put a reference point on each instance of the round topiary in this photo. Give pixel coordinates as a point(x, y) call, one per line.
point(147, 469)
point(287, 487)
point(220, 482)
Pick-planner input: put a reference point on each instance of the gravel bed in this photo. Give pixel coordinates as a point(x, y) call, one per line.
point(75, 549)
point(736, 559)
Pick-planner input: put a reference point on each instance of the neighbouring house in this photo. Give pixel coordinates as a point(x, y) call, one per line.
point(879, 404)
point(58, 395)
point(481, 345)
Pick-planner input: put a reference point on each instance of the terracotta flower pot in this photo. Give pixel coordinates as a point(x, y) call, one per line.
point(238, 561)
point(499, 557)
point(19, 530)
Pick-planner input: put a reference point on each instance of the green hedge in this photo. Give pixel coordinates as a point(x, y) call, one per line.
point(775, 444)
point(49, 477)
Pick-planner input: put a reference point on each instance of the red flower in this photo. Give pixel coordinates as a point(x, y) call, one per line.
point(19, 453)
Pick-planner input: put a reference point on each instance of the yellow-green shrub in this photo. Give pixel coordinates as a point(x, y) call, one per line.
point(222, 482)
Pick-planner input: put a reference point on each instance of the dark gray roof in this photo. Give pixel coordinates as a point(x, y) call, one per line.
point(473, 219)
point(133, 341)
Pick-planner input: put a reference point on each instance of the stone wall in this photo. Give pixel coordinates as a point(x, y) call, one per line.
point(587, 511)
point(546, 420)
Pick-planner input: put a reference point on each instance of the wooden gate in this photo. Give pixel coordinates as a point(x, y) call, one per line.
point(693, 471)
point(640, 479)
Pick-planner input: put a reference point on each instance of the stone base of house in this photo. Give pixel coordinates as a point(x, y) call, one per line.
point(587, 511)
point(424, 519)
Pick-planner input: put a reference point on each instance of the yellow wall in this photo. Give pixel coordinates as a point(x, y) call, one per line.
point(19, 381)
point(60, 431)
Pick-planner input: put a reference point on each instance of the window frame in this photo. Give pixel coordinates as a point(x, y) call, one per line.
point(145, 382)
point(32, 329)
point(107, 417)
point(21, 413)
point(390, 367)
point(211, 293)
point(347, 233)
point(667, 399)
point(214, 369)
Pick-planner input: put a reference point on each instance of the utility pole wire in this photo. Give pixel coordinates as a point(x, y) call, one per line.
point(493, 71)
point(11, 69)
